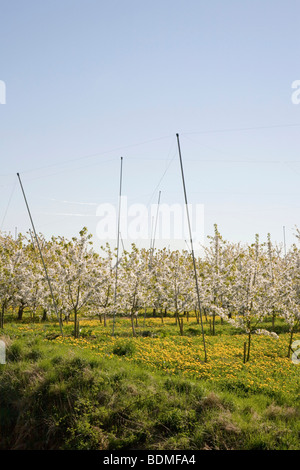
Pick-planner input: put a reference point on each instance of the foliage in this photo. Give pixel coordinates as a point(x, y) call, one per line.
point(243, 285)
point(83, 393)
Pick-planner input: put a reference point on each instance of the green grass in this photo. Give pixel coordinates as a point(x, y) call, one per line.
point(151, 392)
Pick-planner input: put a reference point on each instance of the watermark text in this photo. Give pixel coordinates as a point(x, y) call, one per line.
point(162, 222)
point(2, 352)
point(2, 92)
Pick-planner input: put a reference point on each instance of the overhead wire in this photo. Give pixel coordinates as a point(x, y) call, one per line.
point(169, 163)
point(241, 129)
point(122, 148)
point(68, 170)
point(84, 157)
point(8, 204)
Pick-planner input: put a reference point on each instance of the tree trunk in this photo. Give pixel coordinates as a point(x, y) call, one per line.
point(20, 312)
point(249, 343)
point(197, 315)
point(132, 325)
point(273, 320)
point(213, 324)
point(181, 326)
point(162, 316)
point(2, 315)
point(76, 324)
point(44, 317)
point(290, 342)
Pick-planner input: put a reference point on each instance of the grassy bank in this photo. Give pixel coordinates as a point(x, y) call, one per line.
point(151, 392)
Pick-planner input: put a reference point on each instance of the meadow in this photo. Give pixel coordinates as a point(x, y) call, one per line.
point(95, 390)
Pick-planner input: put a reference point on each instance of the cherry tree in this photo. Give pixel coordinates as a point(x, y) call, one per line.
point(133, 281)
point(74, 274)
point(102, 298)
point(289, 289)
point(250, 295)
point(8, 260)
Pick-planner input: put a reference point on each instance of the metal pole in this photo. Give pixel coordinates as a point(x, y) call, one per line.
point(153, 241)
point(192, 248)
point(38, 244)
point(284, 241)
point(118, 243)
point(156, 220)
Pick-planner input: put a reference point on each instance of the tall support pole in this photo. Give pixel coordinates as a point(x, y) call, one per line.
point(192, 247)
point(284, 241)
point(154, 233)
point(41, 255)
point(156, 220)
point(118, 246)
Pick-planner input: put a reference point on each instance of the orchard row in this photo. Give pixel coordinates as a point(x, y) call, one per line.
point(243, 285)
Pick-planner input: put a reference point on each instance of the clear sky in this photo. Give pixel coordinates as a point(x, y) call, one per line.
point(90, 81)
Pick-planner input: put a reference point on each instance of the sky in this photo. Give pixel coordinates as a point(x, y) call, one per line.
point(84, 83)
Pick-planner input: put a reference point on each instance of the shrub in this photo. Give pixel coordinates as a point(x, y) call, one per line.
point(124, 349)
point(15, 352)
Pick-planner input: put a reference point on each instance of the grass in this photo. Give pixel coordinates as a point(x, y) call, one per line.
point(151, 392)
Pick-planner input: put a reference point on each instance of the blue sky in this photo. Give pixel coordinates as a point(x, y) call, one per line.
point(90, 81)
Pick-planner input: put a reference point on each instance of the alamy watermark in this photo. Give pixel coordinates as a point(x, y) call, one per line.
point(296, 352)
point(160, 221)
point(2, 352)
point(2, 92)
point(296, 94)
